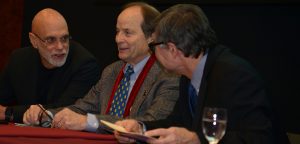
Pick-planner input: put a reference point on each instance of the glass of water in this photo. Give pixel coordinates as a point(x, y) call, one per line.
point(214, 124)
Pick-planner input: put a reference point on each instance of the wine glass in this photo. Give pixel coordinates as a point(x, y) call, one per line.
point(214, 124)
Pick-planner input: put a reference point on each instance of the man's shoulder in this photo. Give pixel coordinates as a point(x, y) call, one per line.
point(79, 54)
point(159, 72)
point(117, 65)
point(24, 51)
point(22, 59)
point(113, 69)
point(79, 51)
point(23, 54)
point(228, 61)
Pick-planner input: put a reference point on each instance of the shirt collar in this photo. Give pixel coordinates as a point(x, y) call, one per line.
point(198, 73)
point(138, 67)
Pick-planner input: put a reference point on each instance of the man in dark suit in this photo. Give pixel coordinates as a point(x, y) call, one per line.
point(186, 44)
point(54, 72)
point(152, 92)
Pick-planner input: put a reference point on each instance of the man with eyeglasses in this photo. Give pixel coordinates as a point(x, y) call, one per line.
point(134, 87)
point(212, 76)
point(53, 72)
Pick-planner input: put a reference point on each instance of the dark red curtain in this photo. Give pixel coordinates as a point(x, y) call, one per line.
point(11, 15)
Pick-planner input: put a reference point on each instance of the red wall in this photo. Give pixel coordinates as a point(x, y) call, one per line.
point(11, 15)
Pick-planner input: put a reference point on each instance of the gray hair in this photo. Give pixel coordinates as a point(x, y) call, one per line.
point(187, 27)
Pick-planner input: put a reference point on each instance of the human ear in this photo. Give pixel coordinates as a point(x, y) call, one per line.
point(173, 49)
point(32, 40)
point(149, 40)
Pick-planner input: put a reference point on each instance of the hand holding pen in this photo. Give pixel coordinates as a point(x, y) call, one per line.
point(37, 115)
point(45, 119)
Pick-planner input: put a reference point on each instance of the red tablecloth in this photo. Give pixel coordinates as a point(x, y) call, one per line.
point(10, 134)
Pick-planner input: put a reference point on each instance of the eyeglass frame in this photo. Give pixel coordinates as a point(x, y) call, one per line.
point(153, 45)
point(47, 43)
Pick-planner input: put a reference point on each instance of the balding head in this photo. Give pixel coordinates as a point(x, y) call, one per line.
point(47, 20)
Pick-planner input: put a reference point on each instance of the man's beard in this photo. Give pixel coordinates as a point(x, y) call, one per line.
point(52, 58)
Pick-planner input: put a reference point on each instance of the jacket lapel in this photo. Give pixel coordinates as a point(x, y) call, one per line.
point(108, 79)
point(144, 89)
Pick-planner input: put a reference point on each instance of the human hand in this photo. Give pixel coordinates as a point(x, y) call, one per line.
point(68, 119)
point(173, 135)
point(2, 112)
point(131, 126)
point(32, 114)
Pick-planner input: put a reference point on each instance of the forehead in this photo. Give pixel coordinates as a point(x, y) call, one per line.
point(51, 26)
point(130, 18)
point(55, 30)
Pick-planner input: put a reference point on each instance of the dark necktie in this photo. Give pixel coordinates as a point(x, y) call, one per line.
point(192, 98)
point(120, 97)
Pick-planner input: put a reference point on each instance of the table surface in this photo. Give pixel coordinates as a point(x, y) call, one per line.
point(29, 135)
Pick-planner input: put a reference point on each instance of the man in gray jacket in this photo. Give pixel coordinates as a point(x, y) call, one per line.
point(152, 93)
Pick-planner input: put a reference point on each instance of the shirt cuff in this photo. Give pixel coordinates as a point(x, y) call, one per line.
point(92, 123)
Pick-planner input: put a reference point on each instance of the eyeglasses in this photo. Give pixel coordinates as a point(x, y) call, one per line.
point(50, 41)
point(43, 122)
point(152, 45)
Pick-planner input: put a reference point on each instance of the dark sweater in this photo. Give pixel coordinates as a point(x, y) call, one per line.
point(25, 81)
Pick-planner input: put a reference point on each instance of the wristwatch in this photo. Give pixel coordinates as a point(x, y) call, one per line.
point(9, 116)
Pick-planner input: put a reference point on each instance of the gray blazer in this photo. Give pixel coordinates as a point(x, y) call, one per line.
point(155, 99)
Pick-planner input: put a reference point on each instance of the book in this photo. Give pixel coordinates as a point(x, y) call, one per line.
point(123, 132)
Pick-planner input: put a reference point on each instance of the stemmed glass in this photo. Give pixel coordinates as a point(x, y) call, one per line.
point(214, 124)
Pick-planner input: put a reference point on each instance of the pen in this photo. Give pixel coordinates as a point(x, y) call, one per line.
point(44, 111)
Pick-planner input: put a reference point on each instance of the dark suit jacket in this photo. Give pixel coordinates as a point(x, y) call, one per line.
point(228, 82)
point(155, 100)
point(19, 82)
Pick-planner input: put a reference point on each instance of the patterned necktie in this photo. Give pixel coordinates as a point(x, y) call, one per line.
point(120, 98)
point(192, 98)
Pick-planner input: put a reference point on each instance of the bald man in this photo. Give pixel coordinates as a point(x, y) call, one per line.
point(151, 93)
point(53, 72)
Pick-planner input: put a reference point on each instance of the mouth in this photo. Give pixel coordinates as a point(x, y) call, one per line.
point(122, 49)
point(59, 56)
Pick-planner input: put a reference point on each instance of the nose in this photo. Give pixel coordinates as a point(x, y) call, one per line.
point(119, 37)
point(59, 45)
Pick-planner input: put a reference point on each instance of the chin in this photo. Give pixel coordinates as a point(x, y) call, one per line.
point(58, 63)
point(122, 56)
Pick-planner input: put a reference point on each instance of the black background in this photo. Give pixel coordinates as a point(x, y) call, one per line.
point(266, 33)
